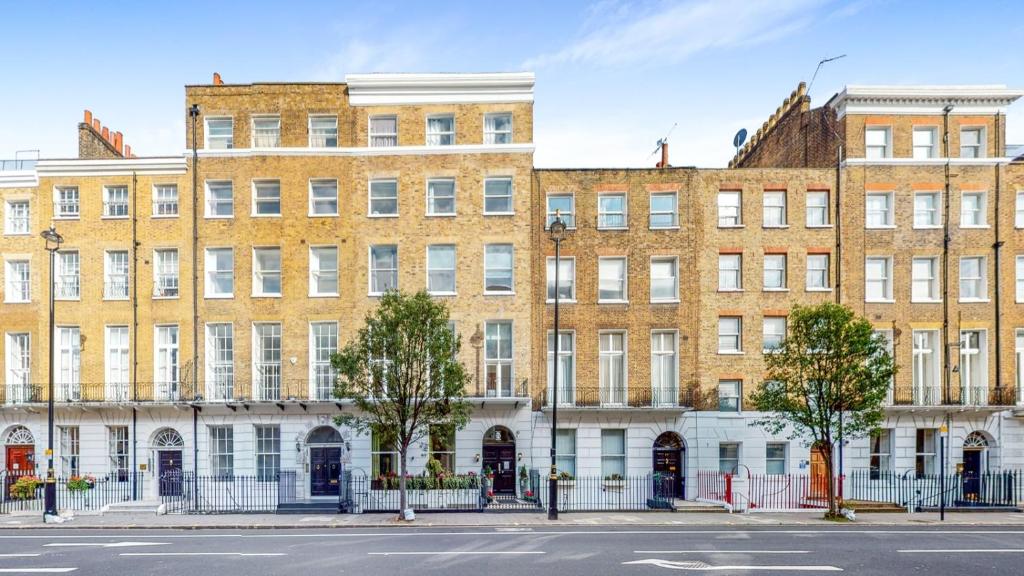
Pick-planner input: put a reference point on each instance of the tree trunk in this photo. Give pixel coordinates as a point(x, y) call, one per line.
point(833, 509)
point(402, 498)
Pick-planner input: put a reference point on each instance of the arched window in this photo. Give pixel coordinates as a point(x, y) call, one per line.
point(168, 438)
point(20, 436)
point(324, 435)
point(975, 440)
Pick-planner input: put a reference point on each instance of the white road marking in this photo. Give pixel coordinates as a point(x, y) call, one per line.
point(456, 553)
point(19, 555)
point(106, 544)
point(703, 566)
point(721, 552)
point(202, 554)
point(36, 570)
point(966, 551)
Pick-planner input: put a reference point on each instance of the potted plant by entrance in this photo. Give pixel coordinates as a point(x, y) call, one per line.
point(24, 488)
point(566, 480)
point(524, 478)
point(81, 483)
point(615, 481)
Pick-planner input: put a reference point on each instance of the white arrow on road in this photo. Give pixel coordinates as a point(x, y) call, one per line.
point(704, 566)
point(106, 544)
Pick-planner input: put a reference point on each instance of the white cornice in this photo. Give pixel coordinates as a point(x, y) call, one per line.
point(926, 162)
point(170, 165)
point(18, 179)
point(392, 89)
point(981, 99)
point(367, 151)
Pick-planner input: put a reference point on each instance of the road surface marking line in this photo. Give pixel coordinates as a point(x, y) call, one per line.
point(455, 553)
point(721, 552)
point(202, 554)
point(36, 570)
point(106, 544)
point(19, 555)
point(703, 566)
point(966, 551)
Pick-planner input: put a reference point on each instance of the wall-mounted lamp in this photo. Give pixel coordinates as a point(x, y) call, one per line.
point(298, 446)
point(519, 456)
point(476, 457)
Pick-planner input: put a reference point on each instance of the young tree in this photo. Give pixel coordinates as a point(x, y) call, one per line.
point(403, 375)
point(826, 382)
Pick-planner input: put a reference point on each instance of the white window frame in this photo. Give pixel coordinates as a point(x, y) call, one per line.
point(566, 262)
point(316, 273)
point(267, 444)
point(371, 269)
point(68, 283)
point(769, 460)
point(453, 270)
point(219, 369)
point(315, 139)
point(932, 282)
point(431, 197)
point(624, 280)
point(602, 213)
point(565, 459)
point(510, 195)
point(208, 273)
point(492, 135)
point(62, 198)
point(434, 138)
point(974, 363)
point(828, 273)
point(736, 336)
point(730, 272)
point(1019, 355)
point(321, 372)
point(499, 361)
point(920, 151)
point(880, 448)
point(512, 269)
point(982, 151)
point(259, 273)
point(267, 361)
point(770, 205)
point(267, 140)
point(221, 443)
point(70, 451)
point(392, 137)
point(926, 357)
point(18, 367)
point(229, 141)
point(725, 448)
point(870, 150)
point(784, 287)
point(651, 213)
point(370, 199)
point(982, 279)
point(256, 200)
point(162, 202)
point(109, 203)
point(675, 268)
point(1019, 278)
point(118, 439)
point(729, 220)
point(166, 361)
point(116, 363)
point(210, 202)
point(884, 282)
point(982, 210)
point(1018, 220)
point(770, 330)
point(887, 214)
point(68, 361)
point(14, 284)
point(664, 393)
point(824, 208)
point(613, 384)
point(566, 390)
point(614, 460)
point(936, 211)
point(114, 289)
point(730, 392)
point(314, 201)
point(17, 222)
point(568, 217)
point(166, 270)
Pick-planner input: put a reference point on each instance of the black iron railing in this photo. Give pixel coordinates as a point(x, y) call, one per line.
point(595, 493)
point(956, 396)
point(988, 489)
point(24, 490)
point(613, 397)
point(187, 493)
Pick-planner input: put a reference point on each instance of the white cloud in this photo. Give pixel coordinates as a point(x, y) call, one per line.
point(630, 34)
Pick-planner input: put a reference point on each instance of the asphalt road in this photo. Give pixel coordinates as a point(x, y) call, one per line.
point(516, 551)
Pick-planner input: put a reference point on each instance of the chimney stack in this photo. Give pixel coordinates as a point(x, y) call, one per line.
point(98, 141)
point(664, 155)
point(88, 117)
point(216, 79)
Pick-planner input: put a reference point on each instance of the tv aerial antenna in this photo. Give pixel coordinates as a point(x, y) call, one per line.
point(821, 63)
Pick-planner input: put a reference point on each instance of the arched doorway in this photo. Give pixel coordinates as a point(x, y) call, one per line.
point(669, 460)
point(20, 452)
point(499, 456)
point(324, 443)
point(168, 446)
point(975, 464)
point(819, 471)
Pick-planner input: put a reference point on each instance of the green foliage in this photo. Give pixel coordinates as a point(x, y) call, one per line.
point(24, 488)
point(831, 373)
point(434, 467)
point(402, 374)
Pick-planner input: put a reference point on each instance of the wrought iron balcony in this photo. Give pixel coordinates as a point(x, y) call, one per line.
point(623, 397)
point(956, 396)
point(115, 208)
point(165, 207)
point(116, 287)
point(165, 286)
point(67, 287)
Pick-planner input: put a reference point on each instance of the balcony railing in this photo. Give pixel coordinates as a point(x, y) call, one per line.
point(66, 287)
point(18, 164)
point(115, 208)
point(268, 381)
point(165, 208)
point(17, 225)
point(957, 396)
point(21, 393)
point(165, 286)
point(116, 287)
point(66, 209)
point(612, 397)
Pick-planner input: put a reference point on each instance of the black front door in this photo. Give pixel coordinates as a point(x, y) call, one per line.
point(972, 475)
point(324, 470)
point(501, 459)
point(669, 461)
point(169, 470)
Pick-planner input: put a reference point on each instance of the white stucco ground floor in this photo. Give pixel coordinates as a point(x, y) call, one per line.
point(505, 436)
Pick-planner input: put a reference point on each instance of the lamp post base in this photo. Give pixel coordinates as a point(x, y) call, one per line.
point(50, 497)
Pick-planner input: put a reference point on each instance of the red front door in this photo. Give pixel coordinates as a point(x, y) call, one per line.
point(21, 460)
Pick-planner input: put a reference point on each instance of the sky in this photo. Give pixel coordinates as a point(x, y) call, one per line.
point(613, 76)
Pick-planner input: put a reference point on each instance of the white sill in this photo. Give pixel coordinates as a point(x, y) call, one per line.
point(929, 227)
point(663, 227)
point(818, 289)
point(776, 289)
point(324, 295)
point(885, 227)
point(613, 228)
point(938, 301)
point(382, 215)
point(817, 226)
point(164, 216)
point(503, 293)
point(974, 300)
point(326, 215)
point(105, 217)
point(666, 301)
point(212, 217)
point(67, 217)
point(254, 295)
point(731, 352)
point(67, 299)
point(218, 296)
point(499, 213)
point(613, 302)
point(105, 299)
point(730, 290)
point(447, 294)
point(732, 226)
point(452, 215)
point(17, 301)
point(264, 215)
point(975, 227)
point(17, 233)
point(769, 351)
point(730, 414)
point(165, 297)
point(560, 301)
point(779, 227)
point(880, 301)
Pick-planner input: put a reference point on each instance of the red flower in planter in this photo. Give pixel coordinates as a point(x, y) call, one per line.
point(490, 493)
point(529, 493)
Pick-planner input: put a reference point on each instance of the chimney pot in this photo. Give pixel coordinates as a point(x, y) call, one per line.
point(664, 156)
point(118, 142)
point(88, 117)
point(106, 133)
point(96, 124)
point(216, 79)
point(127, 151)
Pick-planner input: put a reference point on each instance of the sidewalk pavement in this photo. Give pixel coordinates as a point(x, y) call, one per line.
point(506, 520)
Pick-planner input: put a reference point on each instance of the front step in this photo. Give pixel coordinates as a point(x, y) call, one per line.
point(308, 508)
point(133, 507)
point(679, 505)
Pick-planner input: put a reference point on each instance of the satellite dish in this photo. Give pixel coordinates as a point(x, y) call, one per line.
point(739, 138)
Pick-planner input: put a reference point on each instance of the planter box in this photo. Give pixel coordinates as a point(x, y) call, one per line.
point(424, 499)
point(614, 484)
point(566, 483)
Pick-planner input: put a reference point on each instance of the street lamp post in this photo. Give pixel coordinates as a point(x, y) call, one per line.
point(557, 233)
point(53, 242)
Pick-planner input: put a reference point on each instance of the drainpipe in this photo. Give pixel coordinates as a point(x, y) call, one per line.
point(997, 246)
point(839, 223)
point(945, 278)
point(135, 336)
point(193, 113)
